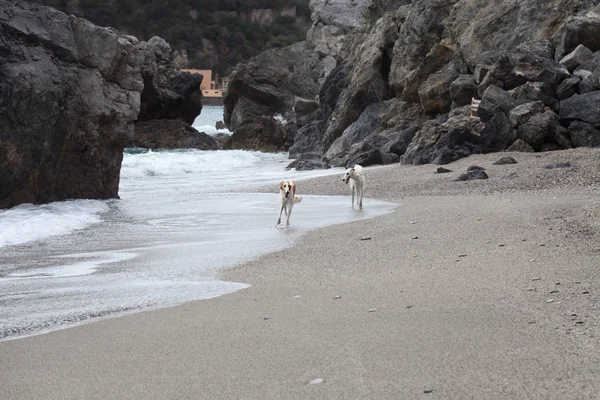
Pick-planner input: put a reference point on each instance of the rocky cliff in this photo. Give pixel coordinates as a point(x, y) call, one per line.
point(70, 93)
point(393, 80)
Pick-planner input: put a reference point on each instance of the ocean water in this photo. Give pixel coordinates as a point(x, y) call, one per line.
point(183, 215)
point(206, 121)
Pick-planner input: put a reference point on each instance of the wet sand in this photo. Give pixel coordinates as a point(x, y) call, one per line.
point(483, 289)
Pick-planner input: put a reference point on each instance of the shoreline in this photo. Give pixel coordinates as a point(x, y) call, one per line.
point(456, 302)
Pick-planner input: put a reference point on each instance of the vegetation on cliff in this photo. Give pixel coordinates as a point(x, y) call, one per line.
point(213, 34)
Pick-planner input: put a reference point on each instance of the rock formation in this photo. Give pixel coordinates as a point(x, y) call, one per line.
point(388, 72)
point(70, 93)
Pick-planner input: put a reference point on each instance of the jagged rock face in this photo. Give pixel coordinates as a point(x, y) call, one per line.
point(69, 95)
point(345, 14)
point(266, 87)
point(438, 55)
point(171, 134)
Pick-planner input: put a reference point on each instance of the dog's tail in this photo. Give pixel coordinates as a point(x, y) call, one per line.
point(297, 199)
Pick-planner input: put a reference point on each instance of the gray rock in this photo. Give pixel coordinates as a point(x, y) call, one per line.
point(462, 90)
point(346, 14)
point(398, 142)
point(522, 113)
point(498, 133)
point(375, 118)
point(308, 139)
point(568, 88)
point(434, 93)
point(535, 91)
point(365, 158)
point(540, 48)
point(443, 143)
point(390, 158)
point(308, 165)
point(584, 107)
point(505, 161)
point(262, 134)
point(367, 81)
point(542, 128)
point(171, 134)
point(583, 134)
point(493, 101)
point(580, 30)
point(472, 175)
point(442, 170)
point(538, 69)
point(475, 168)
point(521, 146)
point(69, 96)
point(574, 59)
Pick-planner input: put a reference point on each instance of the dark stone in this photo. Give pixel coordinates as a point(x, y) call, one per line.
point(373, 141)
point(69, 96)
point(523, 112)
point(308, 165)
point(583, 134)
point(220, 125)
point(434, 93)
point(493, 101)
point(398, 142)
point(538, 69)
point(442, 170)
point(475, 168)
point(365, 159)
point(568, 88)
point(535, 91)
point(497, 134)
point(171, 134)
point(308, 140)
point(223, 141)
point(555, 165)
point(390, 158)
point(443, 143)
point(521, 146)
point(579, 56)
point(549, 146)
point(505, 160)
point(579, 30)
point(262, 134)
point(463, 89)
point(542, 128)
point(540, 48)
point(583, 107)
point(472, 175)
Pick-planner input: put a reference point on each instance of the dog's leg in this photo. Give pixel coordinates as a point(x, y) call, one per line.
point(353, 190)
point(280, 211)
point(360, 197)
point(289, 214)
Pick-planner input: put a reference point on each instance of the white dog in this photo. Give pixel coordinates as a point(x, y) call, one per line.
point(356, 177)
point(287, 194)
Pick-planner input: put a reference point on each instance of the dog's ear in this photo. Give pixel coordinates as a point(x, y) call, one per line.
point(352, 170)
point(281, 185)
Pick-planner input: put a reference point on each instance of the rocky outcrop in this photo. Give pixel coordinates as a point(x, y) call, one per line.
point(70, 93)
point(151, 135)
point(531, 65)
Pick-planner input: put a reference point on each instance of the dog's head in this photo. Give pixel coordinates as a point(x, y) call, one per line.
point(348, 174)
point(286, 187)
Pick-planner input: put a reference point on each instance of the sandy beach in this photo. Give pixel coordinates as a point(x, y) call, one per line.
point(482, 289)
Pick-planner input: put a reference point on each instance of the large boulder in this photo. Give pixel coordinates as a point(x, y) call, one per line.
point(497, 134)
point(376, 117)
point(442, 143)
point(584, 107)
point(580, 30)
point(543, 129)
point(69, 97)
point(583, 134)
point(574, 59)
point(345, 14)
point(535, 91)
point(179, 135)
point(493, 101)
point(266, 87)
point(434, 93)
point(168, 93)
point(523, 112)
point(309, 139)
point(462, 90)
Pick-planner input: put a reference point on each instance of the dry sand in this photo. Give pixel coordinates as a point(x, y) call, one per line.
point(482, 289)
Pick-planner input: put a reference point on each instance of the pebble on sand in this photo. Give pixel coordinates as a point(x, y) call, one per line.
point(366, 238)
point(317, 381)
